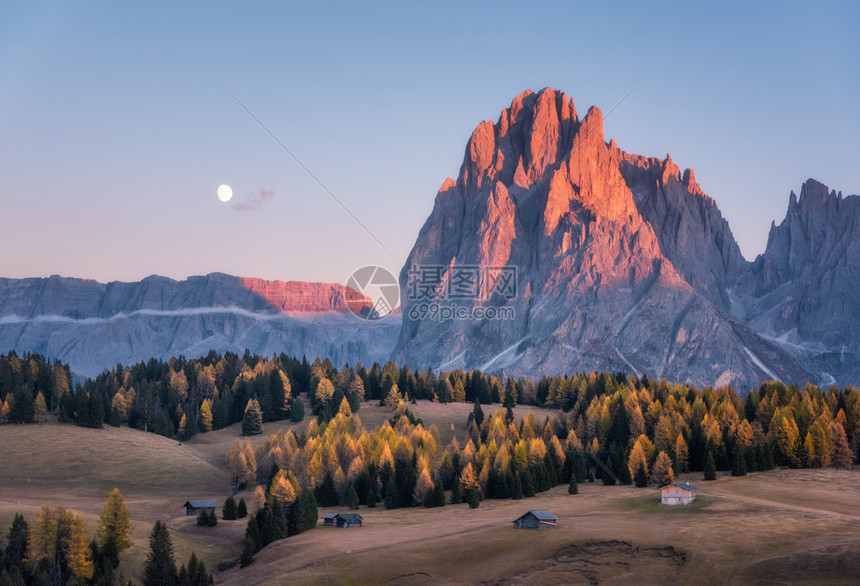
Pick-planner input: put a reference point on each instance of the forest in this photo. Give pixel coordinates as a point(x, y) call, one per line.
point(604, 427)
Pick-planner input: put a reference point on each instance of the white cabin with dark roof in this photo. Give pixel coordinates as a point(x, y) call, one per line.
point(678, 493)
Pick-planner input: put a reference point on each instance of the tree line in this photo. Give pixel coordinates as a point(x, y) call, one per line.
point(54, 548)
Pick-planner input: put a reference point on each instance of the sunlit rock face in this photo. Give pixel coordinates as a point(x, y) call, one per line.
point(623, 263)
point(93, 326)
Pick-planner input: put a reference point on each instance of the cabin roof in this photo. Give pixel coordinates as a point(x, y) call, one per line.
point(683, 485)
point(541, 515)
point(351, 517)
point(330, 516)
point(200, 504)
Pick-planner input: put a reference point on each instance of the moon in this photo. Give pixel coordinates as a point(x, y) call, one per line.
point(224, 193)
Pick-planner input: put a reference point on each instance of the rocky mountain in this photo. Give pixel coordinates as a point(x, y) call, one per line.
point(92, 325)
point(552, 251)
point(805, 284)
point(623, 263)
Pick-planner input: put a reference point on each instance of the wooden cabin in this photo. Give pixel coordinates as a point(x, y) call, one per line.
point(678, 493)
point(540, 519)
point(197, 506)
point(342, 520)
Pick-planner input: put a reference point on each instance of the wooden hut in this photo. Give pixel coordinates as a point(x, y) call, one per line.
point(196, 506)
point(330, 519)
point(541, 519)
point(678, 493)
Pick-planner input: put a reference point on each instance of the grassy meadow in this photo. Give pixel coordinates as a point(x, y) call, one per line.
point(775, 527)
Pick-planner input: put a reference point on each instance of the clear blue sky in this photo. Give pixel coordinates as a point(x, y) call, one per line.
point(116, 127)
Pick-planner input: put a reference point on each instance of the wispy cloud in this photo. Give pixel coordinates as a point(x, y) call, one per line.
point(253, 200)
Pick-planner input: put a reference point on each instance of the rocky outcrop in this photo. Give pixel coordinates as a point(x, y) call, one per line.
point(93, 325)
point(806, 282)
point(540, 190)
point(692, 232)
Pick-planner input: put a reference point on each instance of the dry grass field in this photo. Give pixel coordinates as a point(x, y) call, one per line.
point(783, 526)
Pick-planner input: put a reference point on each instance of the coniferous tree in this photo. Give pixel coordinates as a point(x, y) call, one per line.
point(573, 487)
point(197, 573)
point(528, 483)
point(203, 518)
point(252, 421)
point(160, 567)
point(17, 541)
point(229, 511)
point(212, 520)
point(516, 486)
point(351, 497)
point(114, 527)
point(641, 478)
point(40, 409)
point(739, 464)
point(710, 467)
point(304, 513)
point(248, 551)
point(242, 509)
point(438, 494)
point(456, 497)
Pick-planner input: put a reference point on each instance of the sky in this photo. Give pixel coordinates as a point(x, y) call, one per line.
point(118, 124)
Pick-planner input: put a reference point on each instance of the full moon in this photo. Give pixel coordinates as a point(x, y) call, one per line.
point(224, 193)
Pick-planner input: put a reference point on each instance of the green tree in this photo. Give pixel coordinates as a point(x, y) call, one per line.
point(304, 514)
point(213, 519)
point(242, 509)
point(160, 567)
point(297, 410)
point(114, 527)
point(248, 551)
point(17, 542)
point(197, 575)
point(351, 498)
point(573, 488)
point(641, 478)
point(252, 421)
point(710, 467)
point(203, 518)
point(229, 511)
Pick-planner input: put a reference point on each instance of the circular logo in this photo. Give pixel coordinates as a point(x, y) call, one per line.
point(372, 292)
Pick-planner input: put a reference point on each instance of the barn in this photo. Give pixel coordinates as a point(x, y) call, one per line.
point(197, 506)
point(541, 519)
point(678, 493)
point(342, 520)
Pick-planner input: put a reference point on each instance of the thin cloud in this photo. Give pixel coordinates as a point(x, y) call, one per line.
point(253, 201)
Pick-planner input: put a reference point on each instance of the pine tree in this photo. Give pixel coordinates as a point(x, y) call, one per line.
point(438, 494)
point(528, 483)
point(328, 492)
point(203, 518)
point(392, 498)
point(297, 410)
point(739, 465)
point(478, 413)
point(160, 567)
point(641, 478)
point(17, 542)
point(206, 415)
point(456, 496)
point(252, 421)
point(661, 472)
point(40, 409)
point(710, 467)
point(242, 509)
point(114, 528)
point(516, 485)
point(573, 488)
point(351, 497)
point(473, 497)
point(212, 520)
point(248, 551)
point(228, 511)
point(304, 514)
